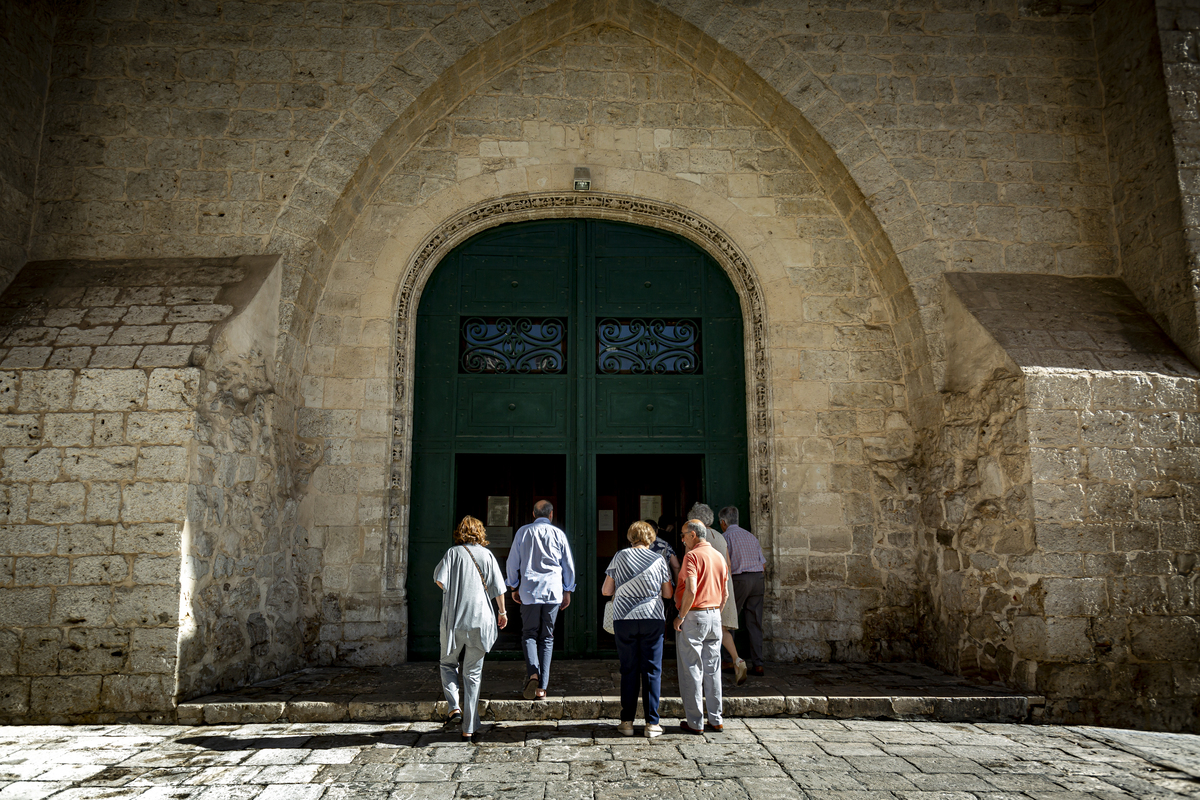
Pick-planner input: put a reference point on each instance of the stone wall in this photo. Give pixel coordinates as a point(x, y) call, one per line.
point(1179, 35)
point(1145, 195)
point(26, 31)
point(101, 386)
point(1061, 522)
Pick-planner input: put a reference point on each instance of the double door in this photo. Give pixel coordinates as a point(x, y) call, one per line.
point(580, 362)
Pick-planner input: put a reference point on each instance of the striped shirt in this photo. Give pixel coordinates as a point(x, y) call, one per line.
point(745, 553)
point(639, 574)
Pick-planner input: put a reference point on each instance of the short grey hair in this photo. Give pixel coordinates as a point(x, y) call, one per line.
point(542, 509)
point(702, 512)
point(729, 515)
point(696, 527)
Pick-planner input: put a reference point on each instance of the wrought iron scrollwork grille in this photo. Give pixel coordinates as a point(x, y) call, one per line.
point(521, 345)
point(648, 346)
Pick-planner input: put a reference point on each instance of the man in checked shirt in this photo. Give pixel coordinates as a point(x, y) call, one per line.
point(746, 563)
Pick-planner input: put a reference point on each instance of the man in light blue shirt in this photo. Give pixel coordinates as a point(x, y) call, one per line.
point(541, 573)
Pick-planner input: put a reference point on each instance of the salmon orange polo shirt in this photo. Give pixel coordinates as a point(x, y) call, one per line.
point(709, 568)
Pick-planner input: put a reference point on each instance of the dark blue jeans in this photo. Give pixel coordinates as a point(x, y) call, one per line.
point(537, 639)
point(640, 648)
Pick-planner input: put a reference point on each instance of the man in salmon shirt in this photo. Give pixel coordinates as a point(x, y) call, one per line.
point(698, 629)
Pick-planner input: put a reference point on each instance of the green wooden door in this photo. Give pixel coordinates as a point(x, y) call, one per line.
point(570, 338)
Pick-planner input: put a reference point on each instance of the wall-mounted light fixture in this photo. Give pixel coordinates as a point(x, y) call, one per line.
point(583, 179)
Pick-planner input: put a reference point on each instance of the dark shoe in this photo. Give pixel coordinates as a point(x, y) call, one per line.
point(757, 670)
point(708, 726)
point(455, 718)
point(469, 738)
point(683, 726)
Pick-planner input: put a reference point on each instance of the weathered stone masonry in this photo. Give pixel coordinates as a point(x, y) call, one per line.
point(950, 471)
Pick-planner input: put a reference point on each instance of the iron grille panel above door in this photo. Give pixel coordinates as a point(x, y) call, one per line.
point(523, 345)
point(648, 347)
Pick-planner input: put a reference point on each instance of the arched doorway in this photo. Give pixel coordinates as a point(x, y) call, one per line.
point(594, 363)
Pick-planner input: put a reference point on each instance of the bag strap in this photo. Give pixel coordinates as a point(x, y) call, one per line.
point(477, 569)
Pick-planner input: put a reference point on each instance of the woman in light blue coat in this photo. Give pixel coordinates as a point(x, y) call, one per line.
point(470, 579)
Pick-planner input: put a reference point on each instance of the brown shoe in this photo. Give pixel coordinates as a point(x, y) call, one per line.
point(757, 670)
point(708, 726)
point(683, 726)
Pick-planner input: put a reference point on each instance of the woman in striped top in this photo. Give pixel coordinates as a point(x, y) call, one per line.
point(638, 581)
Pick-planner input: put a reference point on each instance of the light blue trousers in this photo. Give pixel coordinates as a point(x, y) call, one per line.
point(698, 654)
point(472, 671)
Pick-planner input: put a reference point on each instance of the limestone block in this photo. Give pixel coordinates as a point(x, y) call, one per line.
point(160, 427)
point(1112, 428)
point(26, 358)
point(103, 502)
point(94, 651)
point(39, 651)
point(861, 395)
point(1058, 502)
point(103, 463)
point(1075, 597)
point(1166, 638)
point(78, 540)
point(25, 607)
point(1053, 639)
point(82, 605)
point(56, 504)
point(154, 569)
point(145, 606)
point(24, 465)
point(62, 697)
point(20, 429)
point(161, 537)
point(171, 389)
point(8, 391)
point(14, 696)
point(68, 430)
point(162, 463)
point(40, 571)
point(153, 502)
point(110, 390)
point(99, 569)
point(109, 429)
point(46, 390)
point(136, 693)
point(152, 650)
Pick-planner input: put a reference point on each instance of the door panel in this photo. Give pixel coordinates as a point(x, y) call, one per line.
point(649, 407)
point(514, 285)
point(472, 429)
point(529, 406)
point(638, 284)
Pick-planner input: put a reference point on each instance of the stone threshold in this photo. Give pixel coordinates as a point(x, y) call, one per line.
point(590, 690)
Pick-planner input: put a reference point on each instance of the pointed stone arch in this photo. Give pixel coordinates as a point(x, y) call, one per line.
point(311, 241)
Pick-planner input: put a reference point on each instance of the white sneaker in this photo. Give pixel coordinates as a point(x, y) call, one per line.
point(739, 672)
point(653, 730)
point(625, 728)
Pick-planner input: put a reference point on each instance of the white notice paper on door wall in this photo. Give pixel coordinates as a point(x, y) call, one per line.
point(650, 506)
point(605, 522)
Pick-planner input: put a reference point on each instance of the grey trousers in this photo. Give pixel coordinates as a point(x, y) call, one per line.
point(698, 654)
point(748, 590)
point(472, 671)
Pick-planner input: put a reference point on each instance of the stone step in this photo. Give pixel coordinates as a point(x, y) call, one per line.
point(224, 710)
point(590, 690)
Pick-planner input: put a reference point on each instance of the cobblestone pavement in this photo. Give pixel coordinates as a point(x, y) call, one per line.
point(570, 760)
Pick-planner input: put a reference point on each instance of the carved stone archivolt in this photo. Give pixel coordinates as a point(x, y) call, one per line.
point(593, 205)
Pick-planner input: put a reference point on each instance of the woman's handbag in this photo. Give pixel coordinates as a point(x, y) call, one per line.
point(608, 617)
